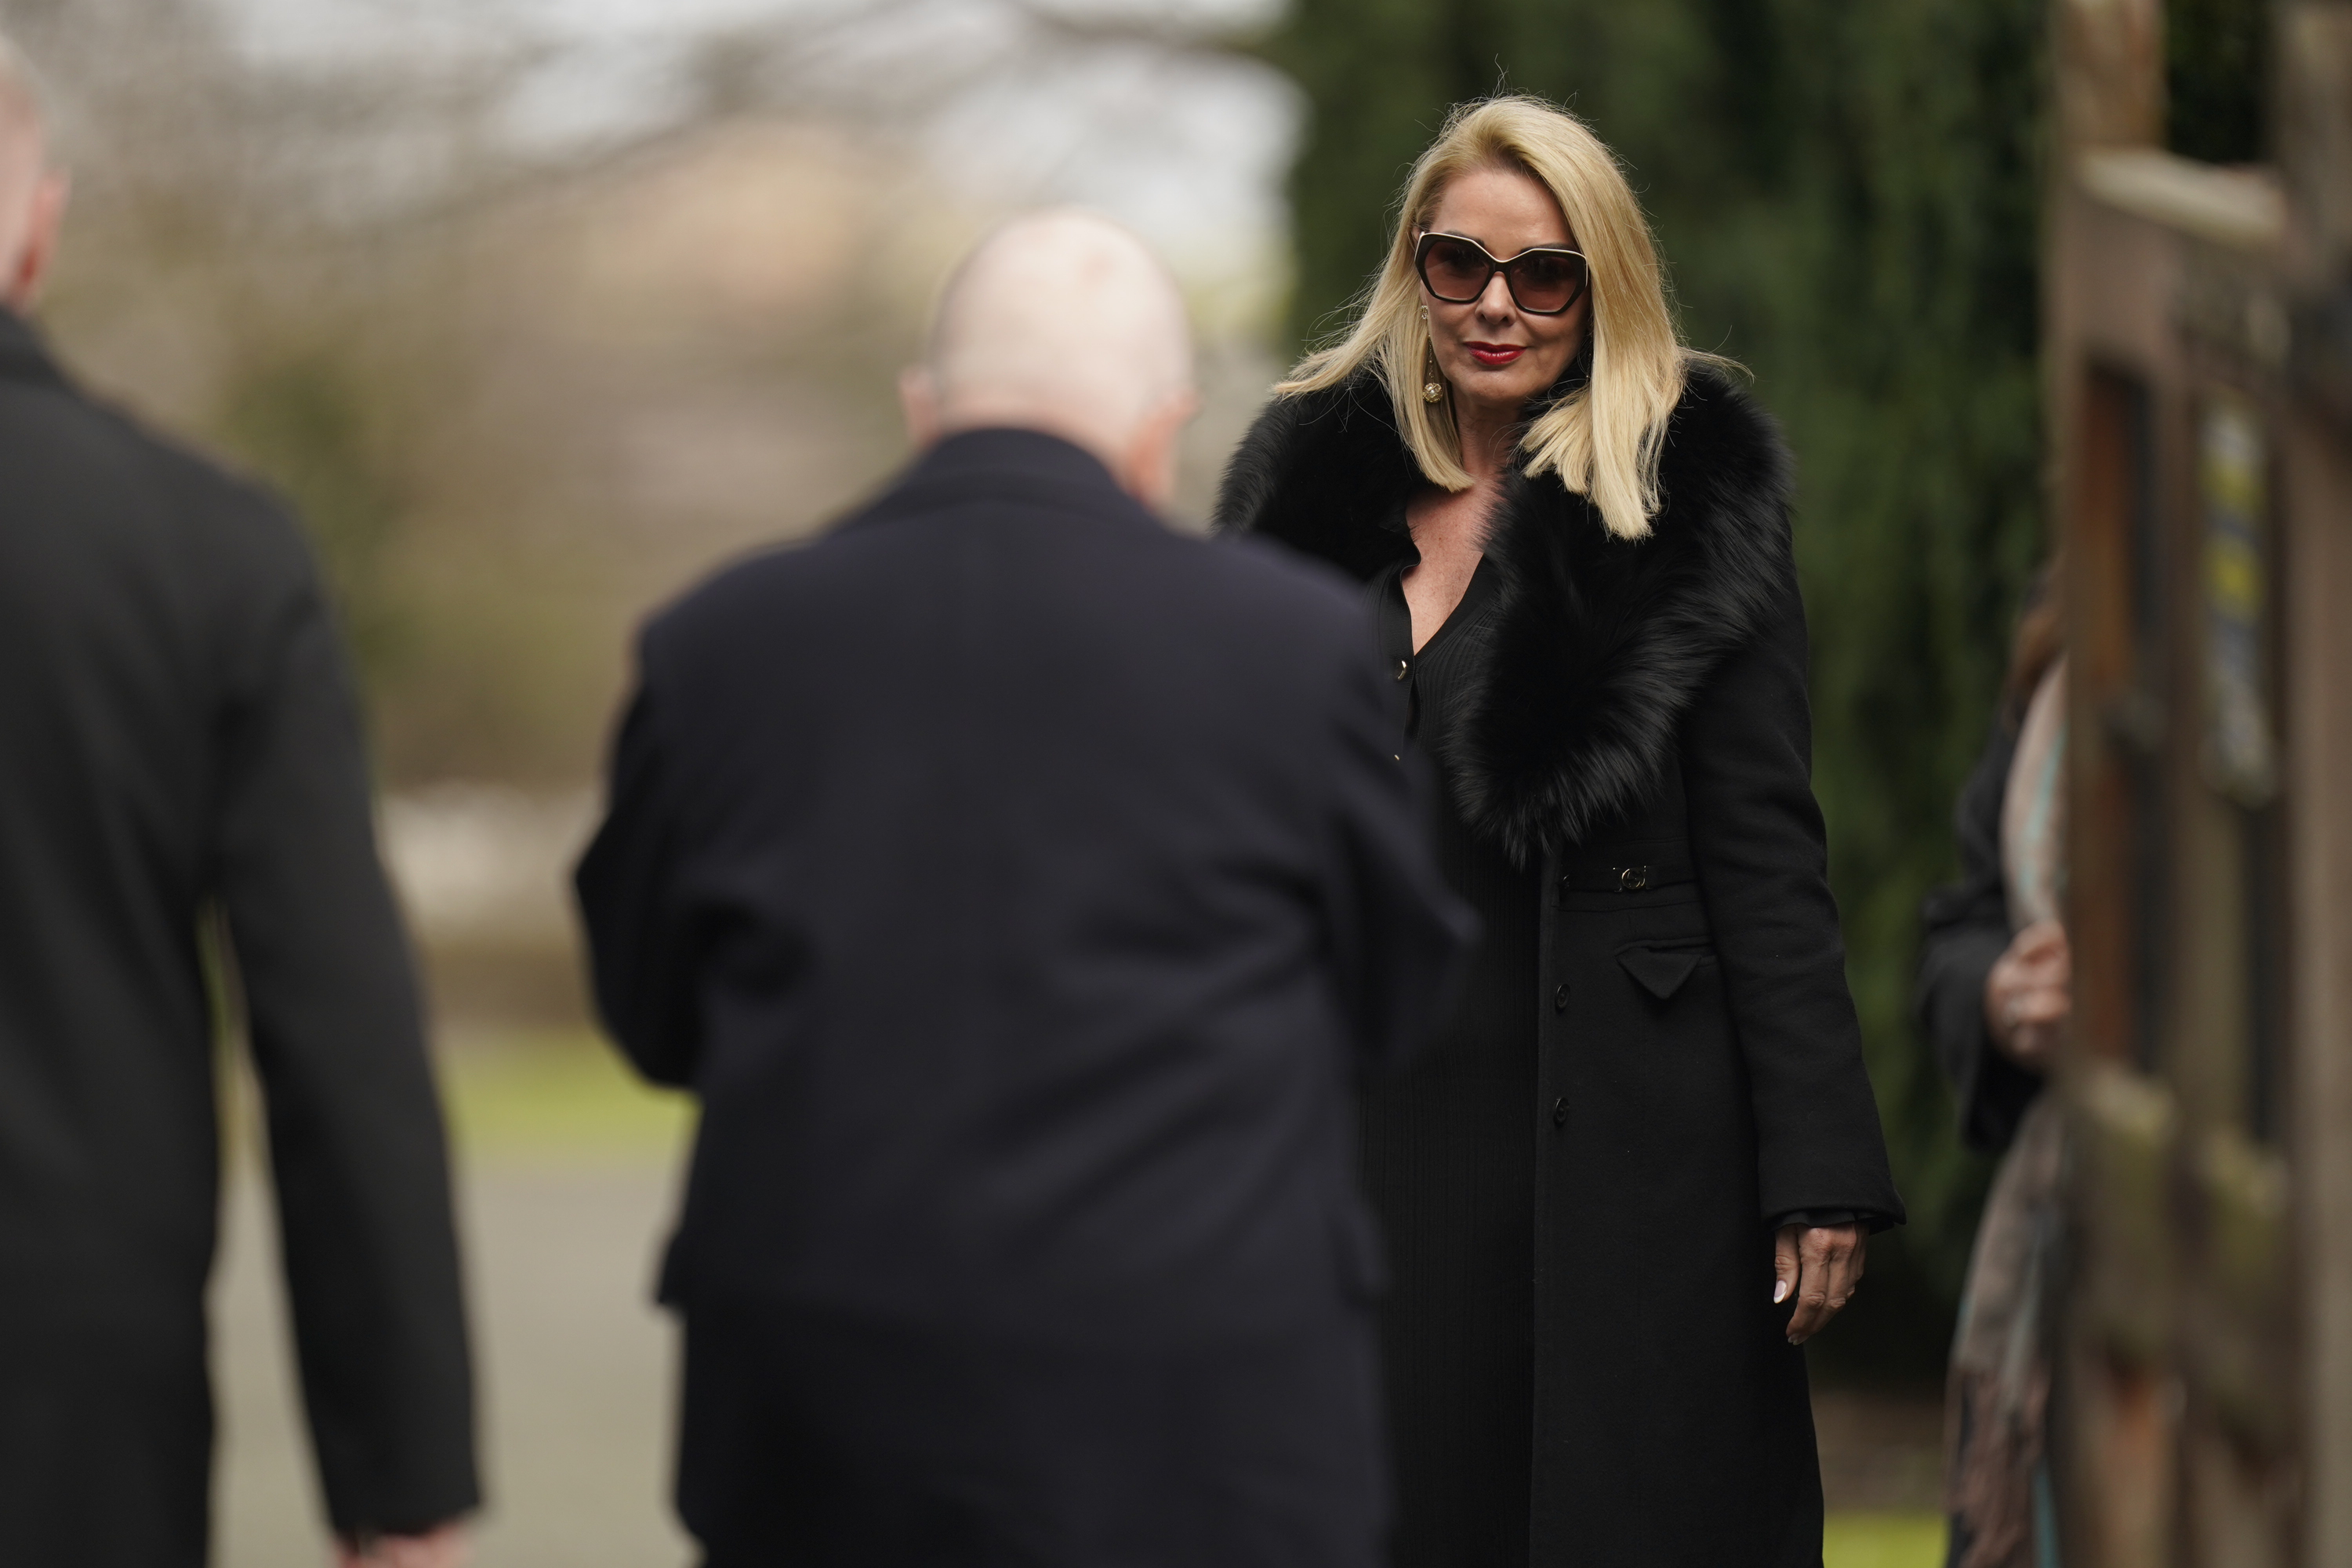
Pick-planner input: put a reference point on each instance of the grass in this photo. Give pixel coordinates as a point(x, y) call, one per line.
point(561, 1095)
point(1884, 1540)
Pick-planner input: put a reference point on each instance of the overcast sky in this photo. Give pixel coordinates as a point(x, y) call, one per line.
point(1188, 144)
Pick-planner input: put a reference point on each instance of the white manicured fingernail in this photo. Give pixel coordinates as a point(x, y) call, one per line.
point(1780, 1291)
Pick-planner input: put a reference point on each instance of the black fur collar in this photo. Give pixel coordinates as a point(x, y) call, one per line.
point(1599, 644)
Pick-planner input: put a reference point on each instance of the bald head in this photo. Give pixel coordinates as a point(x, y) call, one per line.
point(32, 193)
point(1063, 322)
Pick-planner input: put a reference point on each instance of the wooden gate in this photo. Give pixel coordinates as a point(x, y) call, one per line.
point(2199, 323)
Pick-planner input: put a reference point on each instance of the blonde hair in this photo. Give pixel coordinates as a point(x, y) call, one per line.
point(1602, 438)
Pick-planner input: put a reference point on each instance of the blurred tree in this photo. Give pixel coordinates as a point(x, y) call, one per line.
point(305, 419)
point(1848, 197)
point(226, 260)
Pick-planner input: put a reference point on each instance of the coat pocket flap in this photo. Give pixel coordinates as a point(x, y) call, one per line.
point(1661, 971)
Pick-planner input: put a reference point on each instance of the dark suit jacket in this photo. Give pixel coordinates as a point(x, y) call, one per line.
point(1019, 885)
point(177, 732)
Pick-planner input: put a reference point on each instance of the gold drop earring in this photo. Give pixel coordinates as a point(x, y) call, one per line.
point(1434, 388)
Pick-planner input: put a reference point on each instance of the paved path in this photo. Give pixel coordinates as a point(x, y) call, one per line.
point(576, 1363)
point(567, 1183)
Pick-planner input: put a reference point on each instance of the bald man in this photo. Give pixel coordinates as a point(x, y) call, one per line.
point(178, 745)
point(1020, 884)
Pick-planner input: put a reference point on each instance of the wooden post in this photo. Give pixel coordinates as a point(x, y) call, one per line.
point(2199, 334)
point(2314, 137)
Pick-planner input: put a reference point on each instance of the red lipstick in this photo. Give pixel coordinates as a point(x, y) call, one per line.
point(1495, 354)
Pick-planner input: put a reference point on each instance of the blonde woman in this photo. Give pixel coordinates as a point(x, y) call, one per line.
point(1639, 1168)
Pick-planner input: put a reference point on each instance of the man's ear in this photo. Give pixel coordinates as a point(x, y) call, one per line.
point(1147, 468)
point(919, 400)
point(44, 221)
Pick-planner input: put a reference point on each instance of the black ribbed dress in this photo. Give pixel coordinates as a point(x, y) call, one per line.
point(1449, 1157)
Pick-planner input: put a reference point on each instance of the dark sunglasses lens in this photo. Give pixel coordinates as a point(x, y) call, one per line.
point(1454, 271)
point(1548, 281)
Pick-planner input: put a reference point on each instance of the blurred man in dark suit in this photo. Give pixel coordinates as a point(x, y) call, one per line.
point(1020, 886)
point(178, 736)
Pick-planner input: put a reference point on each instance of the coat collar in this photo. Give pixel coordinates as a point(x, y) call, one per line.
point(1598, 645)
point(1010, 461)
point(24, 356)
point(1011, 450)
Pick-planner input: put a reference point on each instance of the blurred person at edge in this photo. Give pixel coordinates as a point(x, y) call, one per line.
point(1647, 1126)
point(1020, 884)
point(1995, 996)
point(178, 736)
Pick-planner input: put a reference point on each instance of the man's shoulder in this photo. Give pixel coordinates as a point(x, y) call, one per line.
point(1289, 613)
point(1285, 579)
point(84, 455)
point(748, 589)
point(899, 546)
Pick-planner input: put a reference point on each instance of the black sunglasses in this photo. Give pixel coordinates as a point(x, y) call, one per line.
point(1543, 281)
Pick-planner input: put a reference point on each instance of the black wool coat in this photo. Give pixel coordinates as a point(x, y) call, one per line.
point(178, 734)
point(1639, 726)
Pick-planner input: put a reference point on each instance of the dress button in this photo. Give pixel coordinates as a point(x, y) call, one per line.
point(1559, 1111)
point(1559, 1000)
point(1404, 667)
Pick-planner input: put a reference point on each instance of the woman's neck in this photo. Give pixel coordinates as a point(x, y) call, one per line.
point(1488, 438)
point(1449, 528)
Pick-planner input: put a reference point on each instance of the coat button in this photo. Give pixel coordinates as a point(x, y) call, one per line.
point(1403, 668)
point(1559, 1000)
point(1559, 1111)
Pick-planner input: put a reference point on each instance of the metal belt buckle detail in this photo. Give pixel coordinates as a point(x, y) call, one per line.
point(1633, 879)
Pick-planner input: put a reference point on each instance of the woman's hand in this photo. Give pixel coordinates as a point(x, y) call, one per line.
point(1820, 1264)
point(2029, 995)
